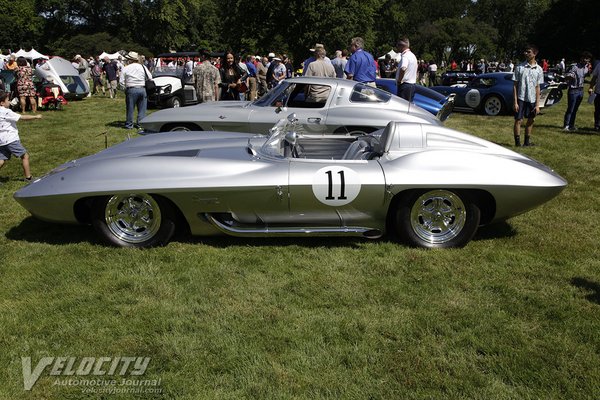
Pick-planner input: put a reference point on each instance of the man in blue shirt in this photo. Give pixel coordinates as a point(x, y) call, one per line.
point(361, 66)
point(575, 79)
point(252, 82)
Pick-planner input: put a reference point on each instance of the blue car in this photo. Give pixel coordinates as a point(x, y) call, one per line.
point(430, 100)
point(492, 94)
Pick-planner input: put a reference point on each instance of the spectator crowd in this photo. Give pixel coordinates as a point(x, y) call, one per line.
point(230, 76)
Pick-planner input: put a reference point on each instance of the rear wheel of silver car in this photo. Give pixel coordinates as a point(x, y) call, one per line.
point(493, 105)
point(133, 220)
point(182, 126)
point(437, 218)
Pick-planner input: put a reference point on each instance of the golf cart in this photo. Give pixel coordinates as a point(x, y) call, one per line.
point(174, 82)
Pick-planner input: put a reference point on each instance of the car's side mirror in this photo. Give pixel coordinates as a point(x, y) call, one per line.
point(280, 109)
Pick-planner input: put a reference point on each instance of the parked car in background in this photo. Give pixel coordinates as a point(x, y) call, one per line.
point(348, 107)
point(8, 82)
point(427, 185)
point(454, 77)
point(60, 71)
point(173, 79)
point(436, 103)
point(492, 94)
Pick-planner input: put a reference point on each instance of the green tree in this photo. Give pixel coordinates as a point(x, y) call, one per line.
point(457, 39)
point(294, 26)
point(21, 26)
point(513, 19)
point(567, 28)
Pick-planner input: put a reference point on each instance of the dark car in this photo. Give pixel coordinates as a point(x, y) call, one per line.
point(454, 77)
point(492, 94)
point(8, 82)
point(436, 103)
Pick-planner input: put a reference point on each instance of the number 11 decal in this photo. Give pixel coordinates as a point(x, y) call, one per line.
point(342, 186)
point(336, 185)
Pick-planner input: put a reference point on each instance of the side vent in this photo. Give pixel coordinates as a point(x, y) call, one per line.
point(179, 153)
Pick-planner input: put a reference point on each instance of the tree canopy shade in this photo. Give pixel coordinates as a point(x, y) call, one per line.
point(440, 29)
point(567, 28)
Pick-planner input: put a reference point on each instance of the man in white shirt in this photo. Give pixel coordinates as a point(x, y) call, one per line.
point(406, 77)
point(133, 79)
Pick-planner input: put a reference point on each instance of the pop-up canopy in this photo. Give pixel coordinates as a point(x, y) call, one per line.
point(32, 54)
point(113, 56)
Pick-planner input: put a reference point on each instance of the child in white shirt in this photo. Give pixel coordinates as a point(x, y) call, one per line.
point(10, 143)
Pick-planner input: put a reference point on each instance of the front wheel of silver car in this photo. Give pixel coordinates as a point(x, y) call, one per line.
point(493, 105)
point(133, 220)
point(437, 218)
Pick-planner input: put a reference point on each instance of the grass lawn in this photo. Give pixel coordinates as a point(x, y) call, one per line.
point(513, 315)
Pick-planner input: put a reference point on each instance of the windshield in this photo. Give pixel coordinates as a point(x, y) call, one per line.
point(275, 144)
point(74, 84)
point(278, 94)
point(176, 66)
point(298, 95)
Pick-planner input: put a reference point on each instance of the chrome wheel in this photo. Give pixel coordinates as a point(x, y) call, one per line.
point(492, 106)
point(176, 103)
point(132, 218)
point(180, 128)
point(438, 216)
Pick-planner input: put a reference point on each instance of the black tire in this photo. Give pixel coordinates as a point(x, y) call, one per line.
point(183, 126)
point(174, 102)
point(493, 105)
point(133, 220)
point(436, 218)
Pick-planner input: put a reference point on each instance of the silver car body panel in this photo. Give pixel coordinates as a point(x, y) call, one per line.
point(343, 108)
point(251, 185)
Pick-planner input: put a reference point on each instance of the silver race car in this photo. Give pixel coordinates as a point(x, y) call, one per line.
point(341, 106)
point(428, 185)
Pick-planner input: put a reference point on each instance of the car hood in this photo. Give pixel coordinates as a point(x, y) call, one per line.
point(169, 144)
point(191, 113)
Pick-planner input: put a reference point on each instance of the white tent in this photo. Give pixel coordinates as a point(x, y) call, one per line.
point(393, 54)
point(113, 56)
point(32, 54)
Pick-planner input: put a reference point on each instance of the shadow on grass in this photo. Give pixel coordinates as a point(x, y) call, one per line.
point(115, 124)
point(589, 286)
point(36, 231)
point(580, 131)
point(495, 231)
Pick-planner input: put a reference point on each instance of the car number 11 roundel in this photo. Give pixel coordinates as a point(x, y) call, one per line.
point(335, 185)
